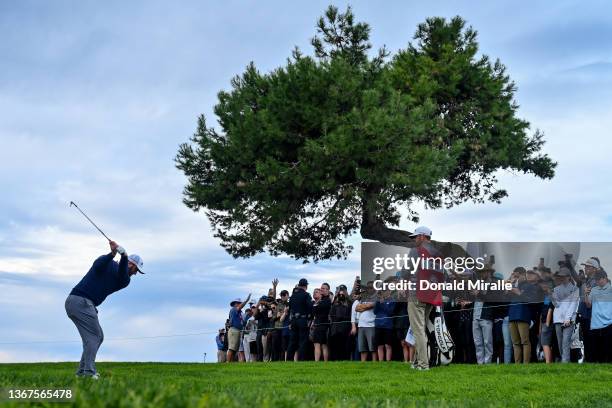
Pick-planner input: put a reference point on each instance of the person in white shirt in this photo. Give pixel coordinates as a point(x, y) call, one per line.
point(365, 324)
point(250, 335)
point(565, 298)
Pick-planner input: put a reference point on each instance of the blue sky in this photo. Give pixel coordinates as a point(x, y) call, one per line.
point(96, 97)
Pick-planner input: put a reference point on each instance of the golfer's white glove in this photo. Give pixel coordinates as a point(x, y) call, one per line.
point(121, 250)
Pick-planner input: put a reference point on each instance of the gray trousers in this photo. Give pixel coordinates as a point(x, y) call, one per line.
point(483, 340)
point(564, 340)
point(84, 315)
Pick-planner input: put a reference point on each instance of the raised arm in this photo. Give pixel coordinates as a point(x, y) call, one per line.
point(240, 306)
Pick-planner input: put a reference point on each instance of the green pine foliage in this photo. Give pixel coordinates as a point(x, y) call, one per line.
point(338, 142)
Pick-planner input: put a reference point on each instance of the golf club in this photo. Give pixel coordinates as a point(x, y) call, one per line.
point(89, 219)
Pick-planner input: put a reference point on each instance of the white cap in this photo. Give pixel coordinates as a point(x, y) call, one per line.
point(592, 262)
point(422, 230)
point(136, 260)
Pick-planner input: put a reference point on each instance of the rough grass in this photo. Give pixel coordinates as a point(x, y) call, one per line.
point(345, 384)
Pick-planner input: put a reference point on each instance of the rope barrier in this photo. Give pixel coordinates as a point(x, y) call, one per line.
point(214, 332)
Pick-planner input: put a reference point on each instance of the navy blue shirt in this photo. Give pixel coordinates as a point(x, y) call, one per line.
point(235, 318)
point(104, 277)
point(384, 314)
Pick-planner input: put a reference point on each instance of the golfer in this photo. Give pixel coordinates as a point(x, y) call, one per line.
point(104, 277)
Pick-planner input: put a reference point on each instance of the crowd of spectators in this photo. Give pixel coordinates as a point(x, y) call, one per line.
point(564, 316)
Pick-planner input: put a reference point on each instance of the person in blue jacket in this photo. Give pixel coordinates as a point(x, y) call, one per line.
point(104, 277)
point(383, 323)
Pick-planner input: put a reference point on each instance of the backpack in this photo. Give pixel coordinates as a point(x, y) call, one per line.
point(441, 347)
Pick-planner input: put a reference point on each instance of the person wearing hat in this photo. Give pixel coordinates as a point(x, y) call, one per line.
point(565, 298)
point(422, 302)
point(236, 323)
point(583, 281)
point(105, 276)
point(519, 315)
point(599, 298)
point(300, 310)
point(221, 352)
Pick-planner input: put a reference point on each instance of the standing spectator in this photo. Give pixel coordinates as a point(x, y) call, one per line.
point(421, 303)
point(300, 308)
point(383, 323)
point(519, 316)
point(482, 319)
point(266, 321)
point(584, 280)
point(250, 334)
point(465, 336)
point(401, 323)
point(502, 341)
point(546, 321)
point(221, 353)
point(565, 299)
point(236, 326)
point(340, 329)
point(278, 351)
point(534, 298)
point(366, 325)
point(599, 298)
point(320, 311)
point(356, 296)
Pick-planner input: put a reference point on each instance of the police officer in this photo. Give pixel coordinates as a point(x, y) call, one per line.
point(300, 309)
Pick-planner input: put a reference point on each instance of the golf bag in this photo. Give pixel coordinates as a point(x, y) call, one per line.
point(441, 347)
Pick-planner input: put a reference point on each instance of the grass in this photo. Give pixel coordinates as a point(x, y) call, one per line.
point(343, 384)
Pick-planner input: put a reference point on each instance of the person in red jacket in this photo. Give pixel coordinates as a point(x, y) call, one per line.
point(421, 302)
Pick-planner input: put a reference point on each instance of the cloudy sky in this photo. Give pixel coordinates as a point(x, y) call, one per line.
point(96, 97)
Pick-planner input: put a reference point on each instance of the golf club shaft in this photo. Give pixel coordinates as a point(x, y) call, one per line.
point(89, 219)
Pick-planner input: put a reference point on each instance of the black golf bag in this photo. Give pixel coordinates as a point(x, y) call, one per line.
point(441, 347)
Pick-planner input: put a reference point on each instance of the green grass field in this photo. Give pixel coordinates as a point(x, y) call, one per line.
point(345, 384)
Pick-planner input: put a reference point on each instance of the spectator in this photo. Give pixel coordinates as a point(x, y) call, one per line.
point(383, 323)
point(401, 323)
point(221, 353)
point(250, 334)
point(565, 299)
point(366, 325)
point(355, 296)
point(599, 298)
point(300, 308)
point(502, 341)
point(482, 319)
point(464, 341)
point(236, 326)
point(534, 299)
point(519, 316)
point(340, 329)
point(279, 348)
point(320, 311)
point(546, 321)
point(583, 280)
point(266, 323)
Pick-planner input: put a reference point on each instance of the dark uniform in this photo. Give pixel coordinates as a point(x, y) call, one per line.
point(300, 309)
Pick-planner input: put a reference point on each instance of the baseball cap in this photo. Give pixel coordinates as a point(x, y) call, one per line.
point(136, 260)
point(592, 262)
point(233, 302)
point(422, 230)
point(303, 282)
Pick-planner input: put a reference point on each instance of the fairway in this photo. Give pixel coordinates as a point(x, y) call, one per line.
point(345, 384)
